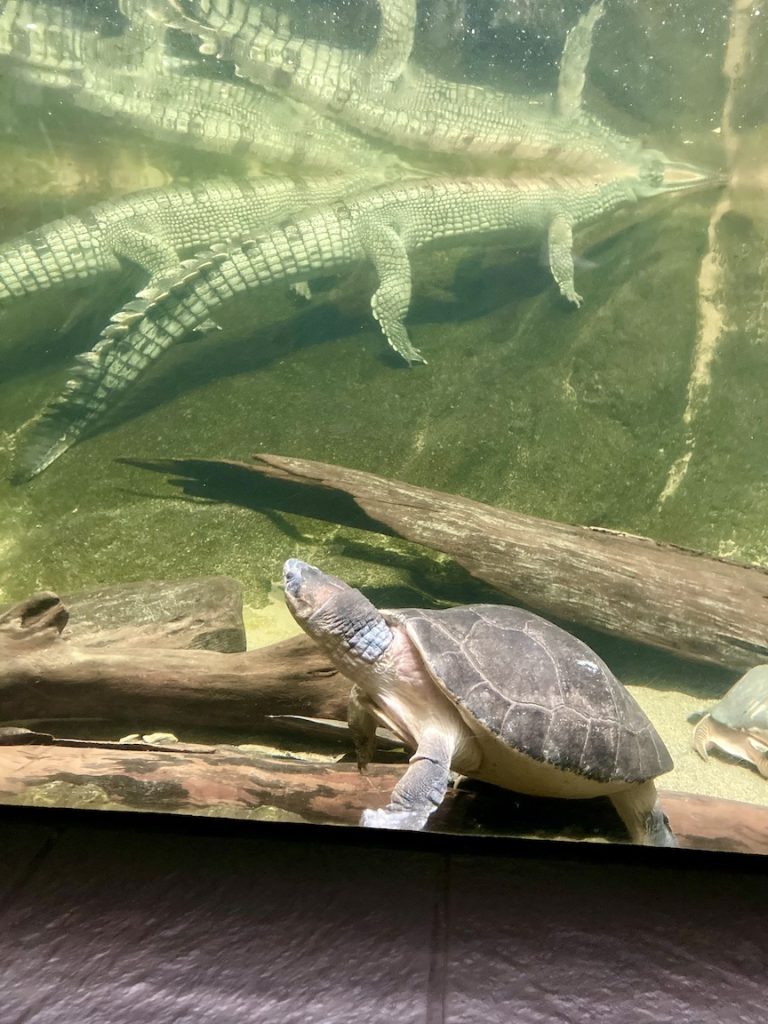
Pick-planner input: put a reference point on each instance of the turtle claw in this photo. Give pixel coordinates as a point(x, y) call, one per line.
point(395, 818)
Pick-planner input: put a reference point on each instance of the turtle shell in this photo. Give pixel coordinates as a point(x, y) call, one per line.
point(745, 705)
point(538, 689)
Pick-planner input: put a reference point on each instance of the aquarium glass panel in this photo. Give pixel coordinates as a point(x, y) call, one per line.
point(383, 414)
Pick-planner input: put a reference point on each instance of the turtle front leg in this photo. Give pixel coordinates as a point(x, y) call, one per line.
point(421, 789)
point(362, 723)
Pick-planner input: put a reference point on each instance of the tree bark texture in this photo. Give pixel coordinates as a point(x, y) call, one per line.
point(45, 674)
point(229, 783)
point(204, 613)
point(681, 601)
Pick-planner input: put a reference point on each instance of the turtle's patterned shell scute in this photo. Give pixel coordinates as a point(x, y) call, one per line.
point(538, 689)
point(745, 705)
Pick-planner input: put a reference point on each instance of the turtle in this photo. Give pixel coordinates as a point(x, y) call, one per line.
point(491, 692)
point(739, 723)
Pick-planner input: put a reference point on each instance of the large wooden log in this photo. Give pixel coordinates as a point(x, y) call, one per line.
point(45, 676)
point(226, 783)
point(204, 612)
point(230, 783)
point(694, 606)
point(151, 689)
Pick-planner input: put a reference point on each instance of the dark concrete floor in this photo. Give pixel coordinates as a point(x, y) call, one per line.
point(112, 921)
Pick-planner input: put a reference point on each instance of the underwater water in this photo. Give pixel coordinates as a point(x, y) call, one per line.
point(643, 409)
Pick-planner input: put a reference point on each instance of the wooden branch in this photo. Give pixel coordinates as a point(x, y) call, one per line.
point(161, 689)
point(32, 624)
point(681, 601)
point(230, 783)
point(53, 666)
point(227, 783)
point(204, 613)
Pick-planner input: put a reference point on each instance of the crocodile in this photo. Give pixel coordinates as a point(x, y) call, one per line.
point(172, 98)
point(383, 65)
point(134, 78)
point(416, 110)
point(46, 44)
point(381, 226)
point(153, 228)
point(186, 100)
point(227, 117)
point(53, 44)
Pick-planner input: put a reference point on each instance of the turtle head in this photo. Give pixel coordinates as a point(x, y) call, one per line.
point(337, 616)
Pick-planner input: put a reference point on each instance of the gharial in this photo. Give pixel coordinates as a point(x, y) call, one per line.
point(361, 105)
point(492, 692)
point(154, 228)
point(382, 226)
point(138, 79)
point(387, 95)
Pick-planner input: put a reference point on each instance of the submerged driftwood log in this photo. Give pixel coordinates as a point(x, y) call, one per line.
point(229, 783)
point(205, 612)
point(46, 674)
point(681, 601)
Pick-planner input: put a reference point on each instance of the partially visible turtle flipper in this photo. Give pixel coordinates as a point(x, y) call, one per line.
point(362, 724)
point(738, 725)
point(710, 733)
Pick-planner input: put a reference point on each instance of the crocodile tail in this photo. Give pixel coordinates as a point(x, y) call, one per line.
point(136, 336)
point(95, 378)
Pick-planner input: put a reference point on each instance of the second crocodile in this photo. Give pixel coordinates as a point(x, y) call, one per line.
point(155, 227)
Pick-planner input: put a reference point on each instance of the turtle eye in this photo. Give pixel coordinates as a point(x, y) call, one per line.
point(653, 173)
point(292, 576)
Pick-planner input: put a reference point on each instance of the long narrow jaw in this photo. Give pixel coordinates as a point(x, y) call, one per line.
point(679, 176)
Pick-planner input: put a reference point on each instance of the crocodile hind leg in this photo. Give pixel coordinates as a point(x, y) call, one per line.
point(387, 251)
point(640, 810)
point(421, 789)
point(151, 251)
point(573, 63)
point(560, 248)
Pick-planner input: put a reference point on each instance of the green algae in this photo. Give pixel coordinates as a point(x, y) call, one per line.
point(526, 403)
